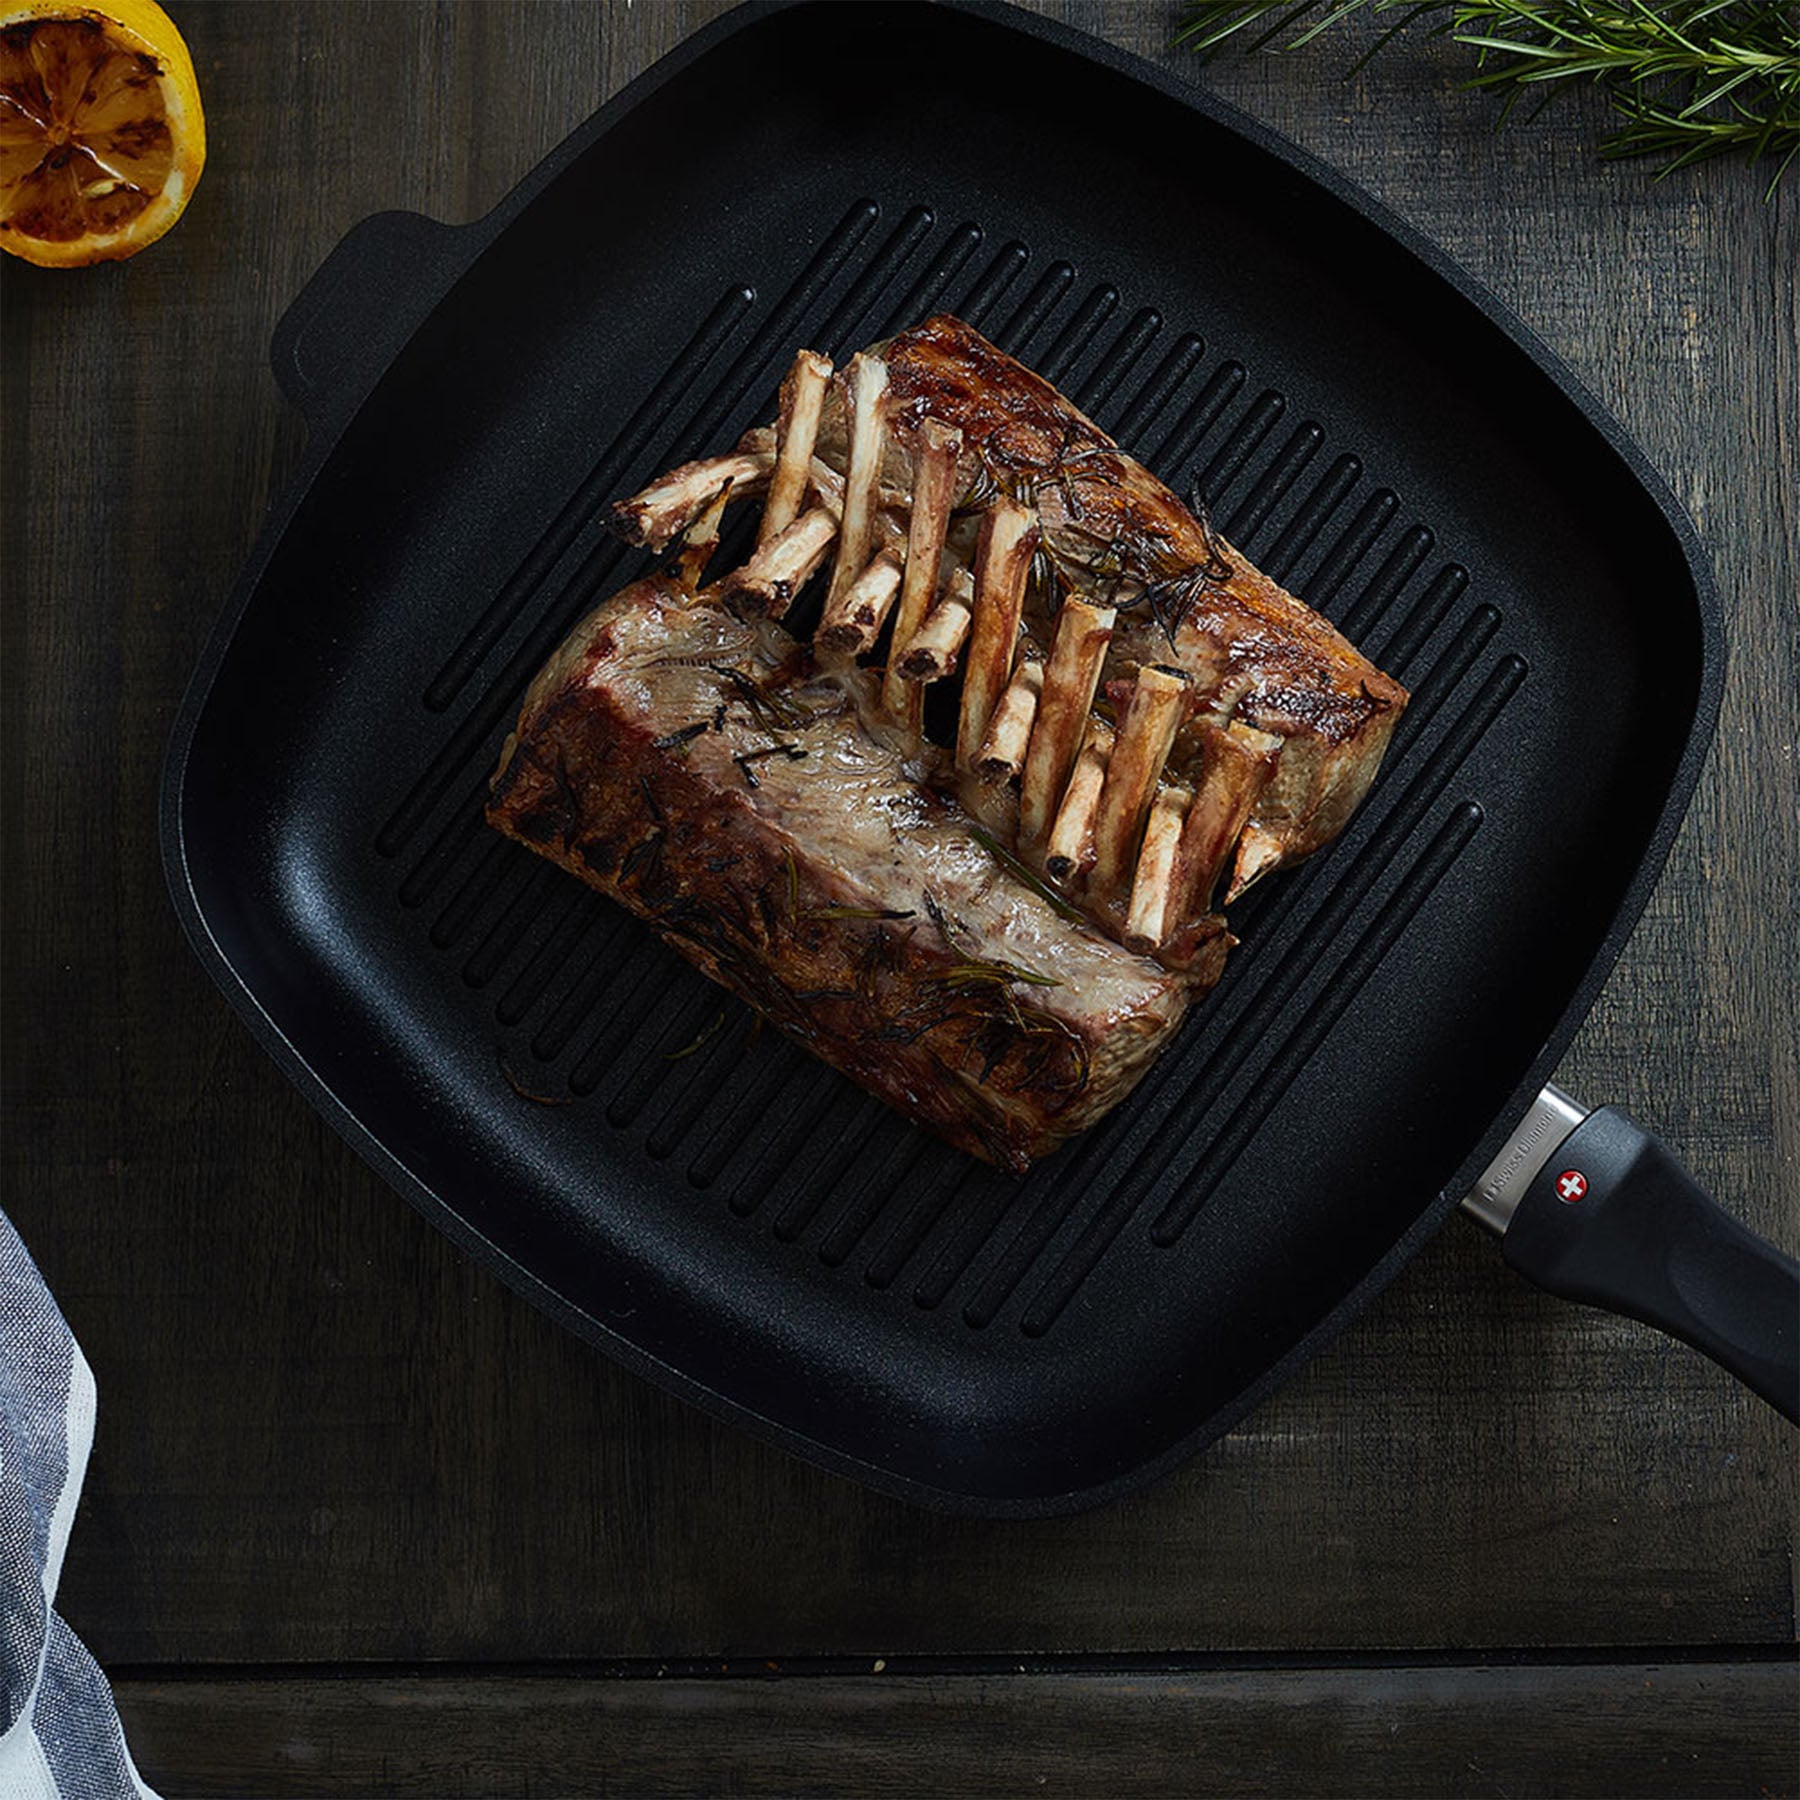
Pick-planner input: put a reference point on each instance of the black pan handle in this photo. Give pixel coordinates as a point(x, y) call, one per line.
point(1611, 1218)
point(363, 303)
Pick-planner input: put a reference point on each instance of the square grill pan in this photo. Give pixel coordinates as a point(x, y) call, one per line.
point(607, 1130)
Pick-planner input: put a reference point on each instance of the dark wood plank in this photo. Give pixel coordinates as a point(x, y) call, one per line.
point(1690, 1730)
point(323, 1436)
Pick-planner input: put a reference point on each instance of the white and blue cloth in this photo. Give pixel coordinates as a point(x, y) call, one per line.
point(60, 1737)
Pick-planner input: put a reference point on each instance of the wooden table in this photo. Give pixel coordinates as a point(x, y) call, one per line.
point(360, 1520)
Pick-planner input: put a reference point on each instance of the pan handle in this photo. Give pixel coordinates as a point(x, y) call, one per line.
point(361, 306)
point(1609, 1217)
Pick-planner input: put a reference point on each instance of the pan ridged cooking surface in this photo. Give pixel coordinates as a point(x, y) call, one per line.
point(608, 1128)
point(587, 1007)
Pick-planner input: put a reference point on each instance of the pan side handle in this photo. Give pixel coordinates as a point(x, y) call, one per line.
point(362, 304)
point(1613, 1219)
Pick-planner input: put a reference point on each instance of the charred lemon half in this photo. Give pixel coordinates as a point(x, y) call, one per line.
point(101, 133)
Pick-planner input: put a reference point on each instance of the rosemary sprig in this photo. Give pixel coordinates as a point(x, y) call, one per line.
point(772, 711)
point(858, 912)
point(1690, 78)
point(995, 973)
point(700, 1043)
point(745, 758)
point(1026, 877)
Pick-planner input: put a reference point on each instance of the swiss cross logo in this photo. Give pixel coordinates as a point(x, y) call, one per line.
point(1571, 1184)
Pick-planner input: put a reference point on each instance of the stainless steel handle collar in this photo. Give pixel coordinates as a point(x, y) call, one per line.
point(1552, 1117)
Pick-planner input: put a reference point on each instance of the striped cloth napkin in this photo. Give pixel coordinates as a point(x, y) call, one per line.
point(60, 1737)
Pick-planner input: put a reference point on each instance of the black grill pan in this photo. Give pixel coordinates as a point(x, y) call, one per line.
point(607, 1131)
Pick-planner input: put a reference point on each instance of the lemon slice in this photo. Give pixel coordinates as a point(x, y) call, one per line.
point(101, 133)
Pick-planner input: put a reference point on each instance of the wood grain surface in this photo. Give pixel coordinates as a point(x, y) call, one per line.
point(1438, 1734)
point(326, 1439)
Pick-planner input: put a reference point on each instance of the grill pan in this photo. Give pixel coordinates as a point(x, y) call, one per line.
point(605, 1129)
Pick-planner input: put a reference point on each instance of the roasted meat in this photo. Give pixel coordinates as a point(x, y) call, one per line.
point(1257, 657)
point(693, 766)
point(992, 909)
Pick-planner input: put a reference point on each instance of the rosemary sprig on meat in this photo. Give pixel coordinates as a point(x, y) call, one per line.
point(773, 712)
point(1027, 877)
point(994, 972)
point(744, 758)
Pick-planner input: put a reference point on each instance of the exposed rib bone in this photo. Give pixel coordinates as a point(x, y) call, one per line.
point(1009, 730)
point(766, 585)
point(700, 540)
point(676, 499)
point(1009, 539)
point(893, 502)
point(1258, 851)
point(1235, 765)
point(866, 382)
point(1070, 851)
point(1147, 732)
point(1073, 672)
point(932, 653)
point(1146, 923)
point(934, 489)
point(797, 430)
point(853, 621)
